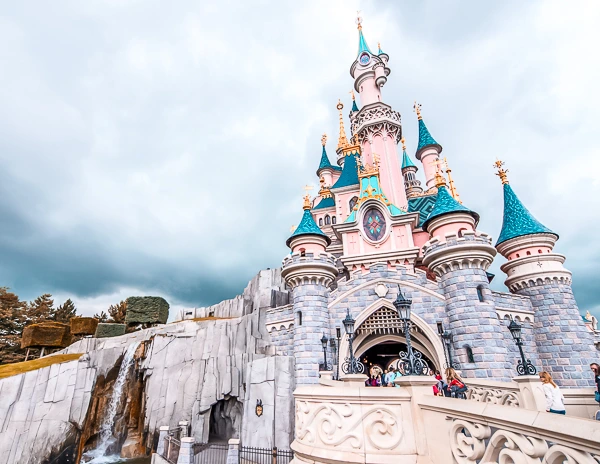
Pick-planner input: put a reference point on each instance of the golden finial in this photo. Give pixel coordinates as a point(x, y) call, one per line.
point(439, 178)
point(588, 316)
point(379, 45)
point(417, 109)
point(324, 139)
point(293, 228)
point(453, 191)
point(402, 141)
point(358, 20)
point(352, 93)
point(307, 202)
point(501, 171)
point(342, 141)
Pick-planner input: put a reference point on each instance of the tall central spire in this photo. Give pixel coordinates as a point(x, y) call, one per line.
point(343, 140)
point(362, 43)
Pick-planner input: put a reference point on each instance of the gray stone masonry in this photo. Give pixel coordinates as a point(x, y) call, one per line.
point(564, 345)
point(311, 301)
point(475, 324)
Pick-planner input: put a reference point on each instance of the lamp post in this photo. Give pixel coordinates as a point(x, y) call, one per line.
point(338, 336)
point(447, 337)
point(324, 341)
point(351, 364)
point(524, 366)
point(412, 362)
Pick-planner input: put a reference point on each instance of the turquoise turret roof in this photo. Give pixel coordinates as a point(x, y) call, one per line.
point(406, 161)
point(324, 164)
point(370, 188)
point(380, 51)
point(307, 226)
point(362, 43)
point(425, 138)
point(349, 175)
point(445, 204)
point(518, 221)
point(354, 107)
point(328, 202)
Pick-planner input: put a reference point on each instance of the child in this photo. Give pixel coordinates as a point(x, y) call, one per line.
point(554, 398)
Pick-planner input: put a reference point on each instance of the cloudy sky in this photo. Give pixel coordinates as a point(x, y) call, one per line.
point(161, 147)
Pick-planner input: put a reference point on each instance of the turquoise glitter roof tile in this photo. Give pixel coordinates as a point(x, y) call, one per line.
point(324, 164)
point(325, 203)
point(349, 175)
point(307, 226)
point(423, 205)
point(445, 204)
point(362, 43)
point(354, 107)
point(518, 221)
point(406, 161)
point(425, 138)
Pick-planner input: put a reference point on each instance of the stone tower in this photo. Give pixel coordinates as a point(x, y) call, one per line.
point(459, 256)
point(564, 345)
point(308, 272)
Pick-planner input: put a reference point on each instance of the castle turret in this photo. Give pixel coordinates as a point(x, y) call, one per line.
point(326, 170)
point(308, 271)
point(428, 150)
point(411, 184)
point(564, 345)
point(377, 125)
point(460, 256)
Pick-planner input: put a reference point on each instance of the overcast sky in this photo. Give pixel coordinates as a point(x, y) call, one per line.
point(160, 148)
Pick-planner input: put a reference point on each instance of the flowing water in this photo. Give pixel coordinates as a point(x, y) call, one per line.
point(105, 435)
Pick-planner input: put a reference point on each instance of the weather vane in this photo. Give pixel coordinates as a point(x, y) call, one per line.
point(358, 19)
point(324, 139)
point(417, 109)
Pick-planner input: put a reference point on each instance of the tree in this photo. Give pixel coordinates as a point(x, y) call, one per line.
point(40, 309)
point(65, 312)
point(102, 317)
point(117, 312)
point(11, 325)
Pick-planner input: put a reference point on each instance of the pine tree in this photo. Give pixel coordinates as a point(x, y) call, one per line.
point(12, 320)
point(65, 312)
point(40, 309)
point(102, 317)
point(117, 312)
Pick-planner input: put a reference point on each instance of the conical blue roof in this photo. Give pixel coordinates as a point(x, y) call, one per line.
point(307, 226)
point(354, 107)
point(425, 138)
point(324, 164)
point(328, 202)
point(380, 51)
point(349, 175)
point(446, 204)
point(406, 161)
point(362, 43)
point(518, 221)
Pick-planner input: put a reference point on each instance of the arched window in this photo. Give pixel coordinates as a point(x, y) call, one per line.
point(352, 203)
point(540, 252)
point(302, 252)
point(333, 219)
point(461, 232)
point(470, 357)
point(518, 255)
point(529, 253)
point(320, 221)
point(327, 220)
point(480, 293)
point(299, 317)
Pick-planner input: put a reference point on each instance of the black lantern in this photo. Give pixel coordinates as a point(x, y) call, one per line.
point(324, 341)
point(351, 364)
point(338, 336)
point(410, 360)
point(524, 366)
point(349, 324)
point(447, 338)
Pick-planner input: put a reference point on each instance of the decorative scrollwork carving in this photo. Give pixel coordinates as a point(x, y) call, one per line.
point(474, 443)
point(342, 424)
point(380, 119)
point(493, 396)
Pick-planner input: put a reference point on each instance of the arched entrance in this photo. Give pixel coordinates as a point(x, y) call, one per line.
point(385, 354)
point(379, 336)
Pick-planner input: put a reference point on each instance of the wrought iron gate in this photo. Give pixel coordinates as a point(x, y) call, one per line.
point(250, 455)
point(210, 453)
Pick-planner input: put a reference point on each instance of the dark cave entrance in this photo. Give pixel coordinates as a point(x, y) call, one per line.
point(225, 420)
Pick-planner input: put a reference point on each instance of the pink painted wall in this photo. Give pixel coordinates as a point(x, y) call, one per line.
point(309, 248)
point(531, 250)
point(428, 157)
point(454, 228)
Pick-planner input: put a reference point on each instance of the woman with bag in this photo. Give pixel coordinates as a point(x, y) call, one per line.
point(554, 398)
point(456, 386)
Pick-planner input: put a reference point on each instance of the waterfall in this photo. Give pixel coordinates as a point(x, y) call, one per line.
point(105, 435)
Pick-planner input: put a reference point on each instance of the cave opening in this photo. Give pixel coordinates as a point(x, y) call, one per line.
point(225, 420)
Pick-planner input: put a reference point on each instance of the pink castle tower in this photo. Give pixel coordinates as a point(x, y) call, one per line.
point(377, 125)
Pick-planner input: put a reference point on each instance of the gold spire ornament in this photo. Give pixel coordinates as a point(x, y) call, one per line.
point(358, 20)
point(417, 109)
point(439, 178)
point(453, 191)
point(501, 171)
point(352, 94)
point(343, 140)
point(402, 141)
point(324, 139)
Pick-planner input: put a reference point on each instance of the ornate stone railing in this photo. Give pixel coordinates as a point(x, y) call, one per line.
point(486, 391)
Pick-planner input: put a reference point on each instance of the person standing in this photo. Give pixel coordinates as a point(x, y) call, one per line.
point(554, 398)
point(596, 370)
point(384, 378)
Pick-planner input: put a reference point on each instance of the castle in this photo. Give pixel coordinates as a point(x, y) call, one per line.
point(375, 230)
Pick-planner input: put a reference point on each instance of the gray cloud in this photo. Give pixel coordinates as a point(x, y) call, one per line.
point(153, 149)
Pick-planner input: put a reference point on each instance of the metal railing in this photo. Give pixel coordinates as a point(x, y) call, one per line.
point(210, 453)
point(172, 446)
point(251, 455)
